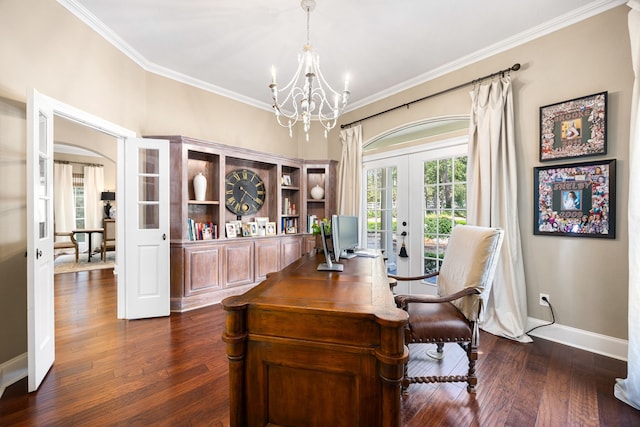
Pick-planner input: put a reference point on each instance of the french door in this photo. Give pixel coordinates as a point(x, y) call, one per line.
point(145, 291)
point(412, 200)
point(146, 229)
point(41, 345)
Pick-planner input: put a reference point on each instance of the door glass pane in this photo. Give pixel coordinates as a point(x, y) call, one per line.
point(42, 211)
point(148, 189)
point(149, 216)
point(42, 124)
point(42, 177)
point(382, 213)
point(148, 161)
point(41, 220)
point(445, 189)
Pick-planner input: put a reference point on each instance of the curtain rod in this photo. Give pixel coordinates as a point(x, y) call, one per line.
point(67, 162)
point(514, 67)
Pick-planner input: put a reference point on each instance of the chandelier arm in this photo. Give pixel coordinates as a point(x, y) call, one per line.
point(322, 103)
point(295, 78)
point(326, 108)
point(292, 100)
point(324, 82)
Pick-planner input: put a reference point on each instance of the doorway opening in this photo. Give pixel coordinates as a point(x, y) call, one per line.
point(90, 156)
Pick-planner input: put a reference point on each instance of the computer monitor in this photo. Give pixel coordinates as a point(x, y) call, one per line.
point(344, 234)
point(328, 265)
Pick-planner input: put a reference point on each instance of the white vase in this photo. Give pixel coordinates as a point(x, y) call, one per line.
point(200, 186)
point(317, 192)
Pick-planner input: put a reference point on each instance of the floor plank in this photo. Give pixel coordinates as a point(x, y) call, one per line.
point(173, 372)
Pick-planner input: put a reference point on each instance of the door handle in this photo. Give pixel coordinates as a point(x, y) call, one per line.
point(164, 236)
point(38, 253)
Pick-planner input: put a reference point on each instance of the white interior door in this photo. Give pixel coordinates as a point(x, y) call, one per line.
point(40, 303)
point(145, 229)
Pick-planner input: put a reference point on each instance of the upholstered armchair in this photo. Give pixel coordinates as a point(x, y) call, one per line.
point(109, 237)
point(451, 316)
point(68, 241)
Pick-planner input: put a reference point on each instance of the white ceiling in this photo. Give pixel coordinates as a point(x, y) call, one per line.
point(229, 46)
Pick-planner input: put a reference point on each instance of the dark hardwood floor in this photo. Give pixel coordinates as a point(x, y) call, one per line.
point(173, 372)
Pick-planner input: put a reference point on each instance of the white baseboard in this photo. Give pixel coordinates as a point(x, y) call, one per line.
point(596, 343)
point(13, 371)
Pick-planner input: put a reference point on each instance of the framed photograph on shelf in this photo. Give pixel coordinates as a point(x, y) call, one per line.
point(270, 229)
point(230, 228)
point(575, 199)
point(261, 222)
point(286, 180)
point(238, 225)
point(249, 229)
point(291, 230)
point(574, 128)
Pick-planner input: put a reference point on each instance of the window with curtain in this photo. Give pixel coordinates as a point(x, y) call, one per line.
point(78, 198)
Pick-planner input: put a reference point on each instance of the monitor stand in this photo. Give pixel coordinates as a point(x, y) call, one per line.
point(323, 266)
point(327, 266)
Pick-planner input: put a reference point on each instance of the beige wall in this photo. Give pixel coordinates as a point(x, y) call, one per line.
point(102, 145)
point(586, 278)
point(13, 231)
point(47, 48)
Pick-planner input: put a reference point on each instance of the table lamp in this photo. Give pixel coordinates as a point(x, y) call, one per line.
point(108, 196)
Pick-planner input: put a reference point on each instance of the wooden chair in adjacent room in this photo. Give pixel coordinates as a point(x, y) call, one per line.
point(68, 241)
point(464, 280)
point(108, 237)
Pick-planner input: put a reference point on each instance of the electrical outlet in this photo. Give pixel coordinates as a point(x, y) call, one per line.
point(542, 302)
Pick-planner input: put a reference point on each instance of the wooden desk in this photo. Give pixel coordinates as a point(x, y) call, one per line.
point(310, 348)
point(89, 232)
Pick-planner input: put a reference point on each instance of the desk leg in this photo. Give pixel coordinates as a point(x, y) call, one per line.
point(90, 247)
point(392, 355)
point(235, 335)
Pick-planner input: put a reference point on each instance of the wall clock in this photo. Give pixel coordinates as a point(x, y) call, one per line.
point(244, 192)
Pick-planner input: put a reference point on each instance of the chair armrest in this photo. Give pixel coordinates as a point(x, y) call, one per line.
point(70, 235)
point(426, 276)
point(403, 300)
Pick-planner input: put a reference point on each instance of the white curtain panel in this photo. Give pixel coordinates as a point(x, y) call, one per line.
point(350, 172)
point(93, 206)
point(628, 389)
point(64, 209)
point(492, 190)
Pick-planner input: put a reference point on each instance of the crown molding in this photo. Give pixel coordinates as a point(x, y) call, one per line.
point(549, 27)
point(580, 14)
point(105, 32)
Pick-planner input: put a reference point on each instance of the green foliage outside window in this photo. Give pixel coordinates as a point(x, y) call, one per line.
point(435, 225)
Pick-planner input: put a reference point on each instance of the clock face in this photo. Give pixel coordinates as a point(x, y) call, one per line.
point(244, 192)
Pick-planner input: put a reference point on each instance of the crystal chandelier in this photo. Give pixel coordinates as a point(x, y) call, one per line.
point(308, 96)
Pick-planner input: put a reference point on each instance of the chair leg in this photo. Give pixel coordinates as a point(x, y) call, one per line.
point(405, 379)
point(439, 353)
point(472, 353)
